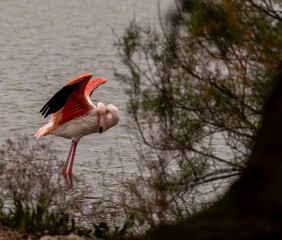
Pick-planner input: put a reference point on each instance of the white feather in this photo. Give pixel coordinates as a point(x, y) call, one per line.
point(79, 127)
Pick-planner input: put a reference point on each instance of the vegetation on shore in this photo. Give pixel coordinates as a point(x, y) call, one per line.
point(197, 91)
point(207, 75)
point(33, 199)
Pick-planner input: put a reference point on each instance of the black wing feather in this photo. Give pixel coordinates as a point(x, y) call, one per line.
point(58, 100)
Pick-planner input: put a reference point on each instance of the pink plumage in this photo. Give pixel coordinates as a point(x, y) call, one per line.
point(73, 115)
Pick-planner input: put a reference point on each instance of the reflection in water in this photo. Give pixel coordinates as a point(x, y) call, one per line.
point(68, 181)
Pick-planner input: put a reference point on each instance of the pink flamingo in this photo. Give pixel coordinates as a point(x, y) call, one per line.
point(73, 115)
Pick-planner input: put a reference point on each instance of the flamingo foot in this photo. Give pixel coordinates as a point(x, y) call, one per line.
point(68, 181)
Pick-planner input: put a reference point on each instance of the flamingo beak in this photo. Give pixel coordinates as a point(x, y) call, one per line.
point(101, 124)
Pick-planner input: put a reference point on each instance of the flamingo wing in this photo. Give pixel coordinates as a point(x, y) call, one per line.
point(78, 103)
point(93, 84)
point(62, 97)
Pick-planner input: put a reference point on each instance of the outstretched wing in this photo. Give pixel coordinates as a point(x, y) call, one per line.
point(93, 84)
point(78, 103)
point(60, 99)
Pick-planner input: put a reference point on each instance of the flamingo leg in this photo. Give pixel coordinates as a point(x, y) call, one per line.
point(68, 181)
point(72, 158)
point(64, 172)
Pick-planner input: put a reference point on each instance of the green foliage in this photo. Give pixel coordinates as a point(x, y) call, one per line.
point(102, 230)
point(196, 93)
point(32, 200)
point(35, 222)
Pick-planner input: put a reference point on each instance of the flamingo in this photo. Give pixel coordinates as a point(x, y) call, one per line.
point(73, 114)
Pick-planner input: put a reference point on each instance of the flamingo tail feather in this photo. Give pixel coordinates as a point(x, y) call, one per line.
point(45, 130)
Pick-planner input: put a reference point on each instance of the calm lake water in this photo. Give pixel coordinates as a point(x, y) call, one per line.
point(43, 44)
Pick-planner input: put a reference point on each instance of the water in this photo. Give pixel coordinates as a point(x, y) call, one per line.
point(43, 44)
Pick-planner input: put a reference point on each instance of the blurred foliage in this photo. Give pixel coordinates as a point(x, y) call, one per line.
point(36, 222)
point(29, 174)
point(32, 200)
point(196, 91)
point(33, 195)
point(103, 231)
